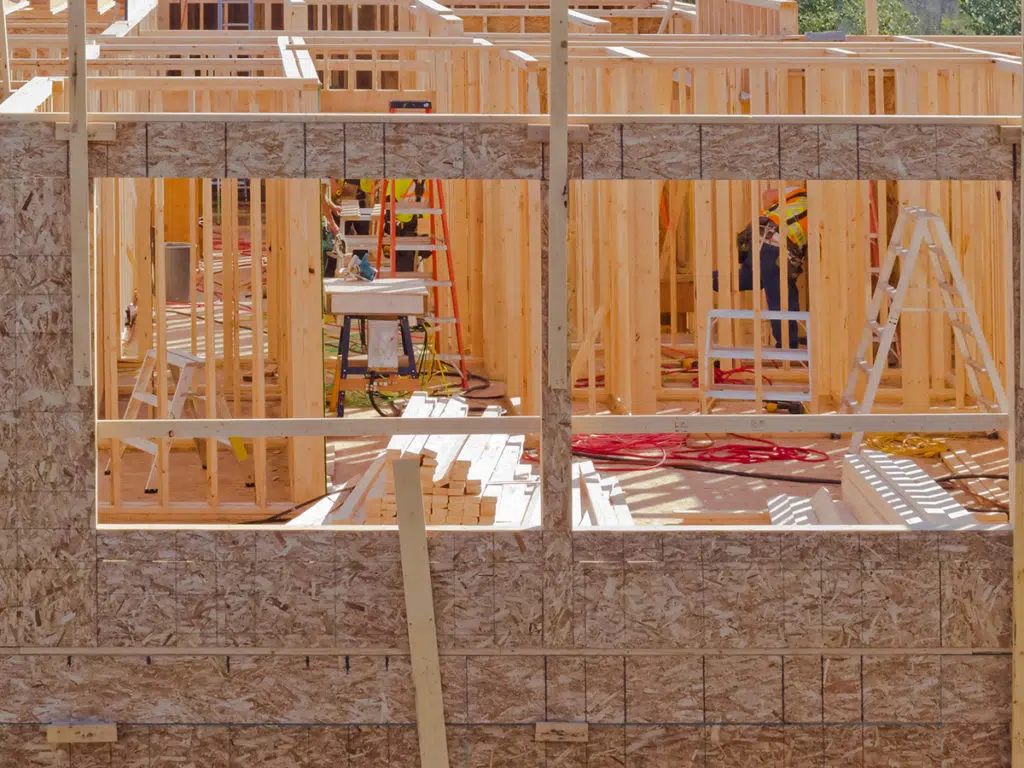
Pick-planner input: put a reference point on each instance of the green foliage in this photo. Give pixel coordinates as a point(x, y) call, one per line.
point(956, 25)
point(848, 15)
point(991, 17)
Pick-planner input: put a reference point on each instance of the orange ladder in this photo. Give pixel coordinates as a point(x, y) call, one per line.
point(431, 205)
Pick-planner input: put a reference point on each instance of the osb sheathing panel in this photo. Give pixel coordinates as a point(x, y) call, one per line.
point(595, 590)
point(841, 649)
point(513, 747)
point(497, 150)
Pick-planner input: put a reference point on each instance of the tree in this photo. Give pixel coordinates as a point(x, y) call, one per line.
point(992, 17)
point(848, 16)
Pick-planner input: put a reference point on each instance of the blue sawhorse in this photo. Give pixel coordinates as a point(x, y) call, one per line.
point(364, 370)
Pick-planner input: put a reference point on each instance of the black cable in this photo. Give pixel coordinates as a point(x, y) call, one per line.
point(278, 515)
point(972, 476)
point(694, 467)
point(713, 470)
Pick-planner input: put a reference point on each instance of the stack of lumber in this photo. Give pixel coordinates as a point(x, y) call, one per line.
point(474, 479)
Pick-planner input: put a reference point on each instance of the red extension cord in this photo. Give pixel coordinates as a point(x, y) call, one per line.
point(649, 451)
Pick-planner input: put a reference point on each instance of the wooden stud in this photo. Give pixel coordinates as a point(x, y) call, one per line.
point(210, 330)
point(5, 66)
point(78, 173)
point(258, 355)
point(160, 265)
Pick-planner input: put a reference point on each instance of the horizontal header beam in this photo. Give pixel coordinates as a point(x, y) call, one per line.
point(714, 424)
point(504, 147)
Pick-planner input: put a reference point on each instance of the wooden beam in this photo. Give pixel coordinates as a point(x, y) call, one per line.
point(556, 398)
point(97, 733)
point(78, 172)
point(1015, 374)
point(871, 17)
point(5, 67)
point(711, 424)
point(419, 611)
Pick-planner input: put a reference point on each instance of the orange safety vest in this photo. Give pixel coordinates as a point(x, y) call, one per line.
point(796, 216)
point(402, 188)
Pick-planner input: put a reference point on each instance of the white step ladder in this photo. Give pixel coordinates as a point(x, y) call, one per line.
point(713, 351)
point(928, 231)
point(182, 399)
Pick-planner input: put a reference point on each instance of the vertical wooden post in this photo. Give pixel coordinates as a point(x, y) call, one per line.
point(5, 60)
point(303, 361)
point(556, 401)
point(1016, 377)
point(107, 253)
point(193, 259)
point(210, 346)
point(160, 263)
point(259, 406)
point(78, 172)
point(871, 17)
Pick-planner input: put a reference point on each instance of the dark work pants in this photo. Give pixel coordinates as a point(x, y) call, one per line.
point(771, 283)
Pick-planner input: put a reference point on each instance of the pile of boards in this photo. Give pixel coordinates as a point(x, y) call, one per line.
point(475, 479)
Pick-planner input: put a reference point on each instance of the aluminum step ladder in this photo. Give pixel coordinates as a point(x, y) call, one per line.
point(714, 352)
point(926, 231)
point(430, 205)
point(182, 400)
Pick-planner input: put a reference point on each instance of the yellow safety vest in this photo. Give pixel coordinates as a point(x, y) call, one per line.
point(401, 191)
point(796, 216)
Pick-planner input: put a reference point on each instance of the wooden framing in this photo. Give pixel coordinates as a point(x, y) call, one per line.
point(525, 619)
point(721, 103)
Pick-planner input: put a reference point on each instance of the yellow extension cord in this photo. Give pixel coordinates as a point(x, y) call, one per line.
point(907, 444)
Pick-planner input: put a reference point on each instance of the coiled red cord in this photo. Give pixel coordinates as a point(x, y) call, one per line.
point(671, 449)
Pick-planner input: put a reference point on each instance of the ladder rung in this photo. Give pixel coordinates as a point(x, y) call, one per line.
point(962, 326)
point(143, 445)
point(988, 404)
point(979, 367)
point(440, 320)
point(947, 287)
point(437, 283)
point(864, 365)
point(850, 403)
point(876, 327)
point(891, 290)
point(145, 398)
point(900, 250)
point(403, 209)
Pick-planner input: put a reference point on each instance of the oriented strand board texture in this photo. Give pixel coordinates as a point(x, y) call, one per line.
point(712, 649)
point(502, 150)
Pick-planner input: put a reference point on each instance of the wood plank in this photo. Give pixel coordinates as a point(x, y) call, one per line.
point(505, 468)
point(91, 733)
point(419, 610)
point(78, 175)
point(418, 442)
point(601, 508)
point(473, 448)
point(435, 445)
point(482, 469)
point(419, 406)
point(347, 510)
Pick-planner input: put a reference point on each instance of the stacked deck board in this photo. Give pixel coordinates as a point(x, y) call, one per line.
point(480, 479)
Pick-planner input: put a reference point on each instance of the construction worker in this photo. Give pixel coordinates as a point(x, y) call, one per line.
point(769, 243)
point(402, 189)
